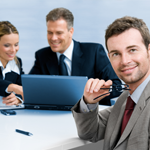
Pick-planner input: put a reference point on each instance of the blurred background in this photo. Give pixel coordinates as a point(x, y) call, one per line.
point(91, 20)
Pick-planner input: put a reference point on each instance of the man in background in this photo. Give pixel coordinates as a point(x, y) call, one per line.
point(124, 126)
point(77, 59)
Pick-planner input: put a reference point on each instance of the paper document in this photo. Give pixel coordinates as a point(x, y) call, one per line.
point(3, 106)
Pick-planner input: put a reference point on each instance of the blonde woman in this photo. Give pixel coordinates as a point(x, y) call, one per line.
point(11, 92)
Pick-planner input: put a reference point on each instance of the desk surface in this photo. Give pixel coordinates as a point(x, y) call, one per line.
point(53, 130)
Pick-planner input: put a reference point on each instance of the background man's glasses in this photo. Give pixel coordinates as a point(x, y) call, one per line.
point(119, 88)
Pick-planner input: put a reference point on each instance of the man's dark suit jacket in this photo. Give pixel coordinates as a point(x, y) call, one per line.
point(88, 59)
point(10, 77)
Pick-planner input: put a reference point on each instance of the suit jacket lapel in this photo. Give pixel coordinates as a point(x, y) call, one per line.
point(77, 60)
point(136, 113)
point(118, 119)
point(52, 63)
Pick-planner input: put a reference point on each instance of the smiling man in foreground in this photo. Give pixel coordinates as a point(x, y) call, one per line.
point(124, 126)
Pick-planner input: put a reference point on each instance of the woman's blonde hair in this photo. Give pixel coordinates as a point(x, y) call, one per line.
point(7, 28)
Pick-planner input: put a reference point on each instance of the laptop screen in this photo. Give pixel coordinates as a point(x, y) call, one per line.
point(52, 91)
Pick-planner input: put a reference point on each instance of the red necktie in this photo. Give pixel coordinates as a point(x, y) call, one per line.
point(128, 111)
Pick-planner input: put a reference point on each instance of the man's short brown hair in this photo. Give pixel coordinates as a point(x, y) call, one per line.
point(122, 24)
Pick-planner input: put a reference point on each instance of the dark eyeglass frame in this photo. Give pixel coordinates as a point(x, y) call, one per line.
point(112, 88)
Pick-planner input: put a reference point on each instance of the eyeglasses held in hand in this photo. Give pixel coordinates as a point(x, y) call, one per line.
point(119, 88)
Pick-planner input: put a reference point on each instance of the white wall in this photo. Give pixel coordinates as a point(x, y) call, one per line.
point(91, 19)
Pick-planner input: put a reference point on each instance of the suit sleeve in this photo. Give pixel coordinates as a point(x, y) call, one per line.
point(5, 83)
point(36, 69)
point(105, 71)
point(3, 86)
point(91, 126)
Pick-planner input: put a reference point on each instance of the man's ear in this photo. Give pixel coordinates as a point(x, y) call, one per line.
point(71, 31)
point(148, 52)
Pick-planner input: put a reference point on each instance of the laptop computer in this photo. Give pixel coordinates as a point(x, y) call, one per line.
point(52, 92)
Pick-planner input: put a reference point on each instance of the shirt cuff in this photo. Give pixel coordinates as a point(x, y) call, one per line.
point(21, 101)
point(84, 108)
point(7, 91)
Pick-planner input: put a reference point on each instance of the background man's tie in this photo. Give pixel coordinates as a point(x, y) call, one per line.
point(62, 65)
point(128, 111)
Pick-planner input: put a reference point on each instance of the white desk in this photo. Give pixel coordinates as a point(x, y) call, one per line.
point(53, 130)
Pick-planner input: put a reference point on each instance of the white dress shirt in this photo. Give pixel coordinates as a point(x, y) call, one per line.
point(11, 66)
point(137, 93)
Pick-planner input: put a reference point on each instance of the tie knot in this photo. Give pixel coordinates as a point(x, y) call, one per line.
point(130, 103)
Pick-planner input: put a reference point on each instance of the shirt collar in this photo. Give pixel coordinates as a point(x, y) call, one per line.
point(11, 66)
point(68, 52)
point(137, 93)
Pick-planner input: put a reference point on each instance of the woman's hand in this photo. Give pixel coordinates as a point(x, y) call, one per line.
point(17, 89)
point(11, 100)
point(92, 90)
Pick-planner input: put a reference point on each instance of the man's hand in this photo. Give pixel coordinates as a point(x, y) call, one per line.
point(92, 90)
